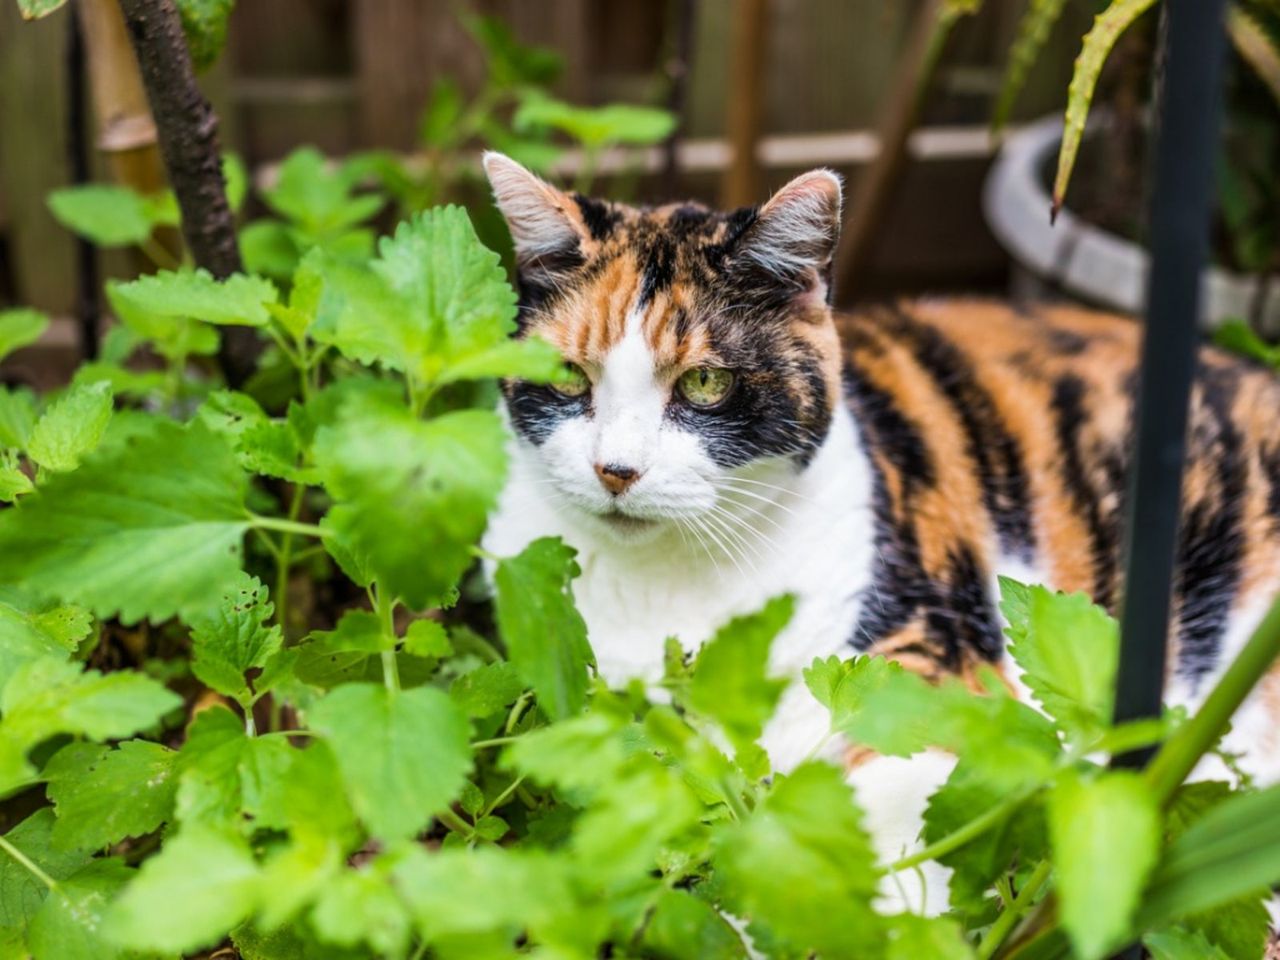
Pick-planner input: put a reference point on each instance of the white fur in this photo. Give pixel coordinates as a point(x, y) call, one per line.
point(531, 207)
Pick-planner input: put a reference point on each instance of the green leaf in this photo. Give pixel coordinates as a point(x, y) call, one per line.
point(1118, 16)
point(21, 894)
point(937, 938)
point(545, 635)
point(174, 337)
point(71, 427)
point(48, 696)
point(35, 9)
point(105, 795)
point(68, 926)
point(108, 216)
point(1105, 834)
point(427, 638)
point(439, 125)
point(1232, 851)
point(268, 248)
point(802, 864)
point(234, 172)
point(456, 891)
point(576, 755)
point(239, 300)
point(201, 884)
point(412, 496)
point(361, 906)
point(205, 24)
point(683, 925)
point(511, 63)
point(13, 484)
point(1033, 32)
point(317, 198)
point(263, 445)
point(730, 676)
point(235, 638)
point(1238, 337)
point(29, 632)
point(487, 690)
point(17, 417)
point(596, 127)
point(20, 327)
point(1176, 944)
point(168, 502)
point(435, 304)
point(1069, 650)
point(404, 755)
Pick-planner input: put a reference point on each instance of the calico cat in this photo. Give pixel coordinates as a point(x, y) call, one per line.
point(725, 437)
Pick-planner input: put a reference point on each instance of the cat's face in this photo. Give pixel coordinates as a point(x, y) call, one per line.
point(700, 344)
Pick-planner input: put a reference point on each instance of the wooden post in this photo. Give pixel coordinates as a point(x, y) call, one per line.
point(745, 98)
point(126, 133)
point(682, 19)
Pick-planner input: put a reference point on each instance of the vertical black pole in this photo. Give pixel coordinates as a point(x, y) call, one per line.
point(678, 65)
point(1188, 138)
point(88, 304)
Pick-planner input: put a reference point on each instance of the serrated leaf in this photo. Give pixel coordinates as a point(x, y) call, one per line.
point(168, 502)
point(29, 632)
point(1176, 944)
point(202, 883)
point(104, 795)
point(68, 925)
point(685, 925)
point(106, 215)
point(412, 496)
point(404, 755)
point(205, 24)
point(803, 865)
point(1097, 44)
point(938, 938)
point(20, 327)
point(1106, 838)
point(435, 305)
point(1033, 32)
point(427, 638)
point(361, 906)
point(72, 427)
point(263, 445)
point(235, 638)
point(317, 197)
point(48, 696)
point(21, 894)
point(576, 755)
point(239, 300)
point(17, 417)
point(545, 635)
point(1069, 651)
point(730, 675)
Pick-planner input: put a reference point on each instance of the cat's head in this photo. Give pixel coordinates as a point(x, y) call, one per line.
point(701, 344)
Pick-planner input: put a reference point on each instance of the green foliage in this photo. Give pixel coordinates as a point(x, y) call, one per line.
point(20, 327)
point(545, 636)
point(285, 755)
point(106, 215)
point(205, 24)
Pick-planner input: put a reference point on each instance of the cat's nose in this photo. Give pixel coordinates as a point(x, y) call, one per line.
point(615, 477)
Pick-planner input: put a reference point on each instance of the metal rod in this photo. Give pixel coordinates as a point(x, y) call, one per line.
point(1181, 202)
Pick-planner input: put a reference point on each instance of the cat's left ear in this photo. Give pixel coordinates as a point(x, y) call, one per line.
point(546, 224)
point(794, 234)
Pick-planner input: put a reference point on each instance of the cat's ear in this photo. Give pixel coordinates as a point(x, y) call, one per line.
point(545, 223)
point(794, 234)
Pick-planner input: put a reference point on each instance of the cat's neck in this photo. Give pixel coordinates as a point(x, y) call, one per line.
point(805, 531)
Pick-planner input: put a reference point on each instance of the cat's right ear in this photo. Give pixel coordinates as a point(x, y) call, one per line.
point(545, 223)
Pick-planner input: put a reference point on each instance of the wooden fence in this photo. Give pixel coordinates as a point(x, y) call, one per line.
point(349, 74)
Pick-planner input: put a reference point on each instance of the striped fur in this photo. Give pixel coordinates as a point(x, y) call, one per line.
point(888, 463)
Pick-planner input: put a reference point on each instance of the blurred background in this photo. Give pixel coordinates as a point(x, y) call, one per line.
point(645, 100)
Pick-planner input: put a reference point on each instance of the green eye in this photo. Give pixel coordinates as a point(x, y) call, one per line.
point(706, 386)
point(574, 383)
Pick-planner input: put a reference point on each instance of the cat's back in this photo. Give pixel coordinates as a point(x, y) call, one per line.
point(1001, 437)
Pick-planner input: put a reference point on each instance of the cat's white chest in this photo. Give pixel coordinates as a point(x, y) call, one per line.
point(814, 541)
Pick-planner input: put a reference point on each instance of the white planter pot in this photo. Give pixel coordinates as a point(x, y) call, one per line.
point(1082, 259)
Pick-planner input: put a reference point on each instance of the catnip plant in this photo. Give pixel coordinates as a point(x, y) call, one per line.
point(201, 754)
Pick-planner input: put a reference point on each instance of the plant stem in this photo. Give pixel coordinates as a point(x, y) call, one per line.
point(32, 867)
point(454, 822)
point(516, 709)
point(494, 742)
point(473, 642)
point(1013, 912)
point(504, 796)
point(385, 606)
point(283, 559)
point(971, 830)
point(158, 255)
point(287, 526)
point(1178, 757)
point(250, 725)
